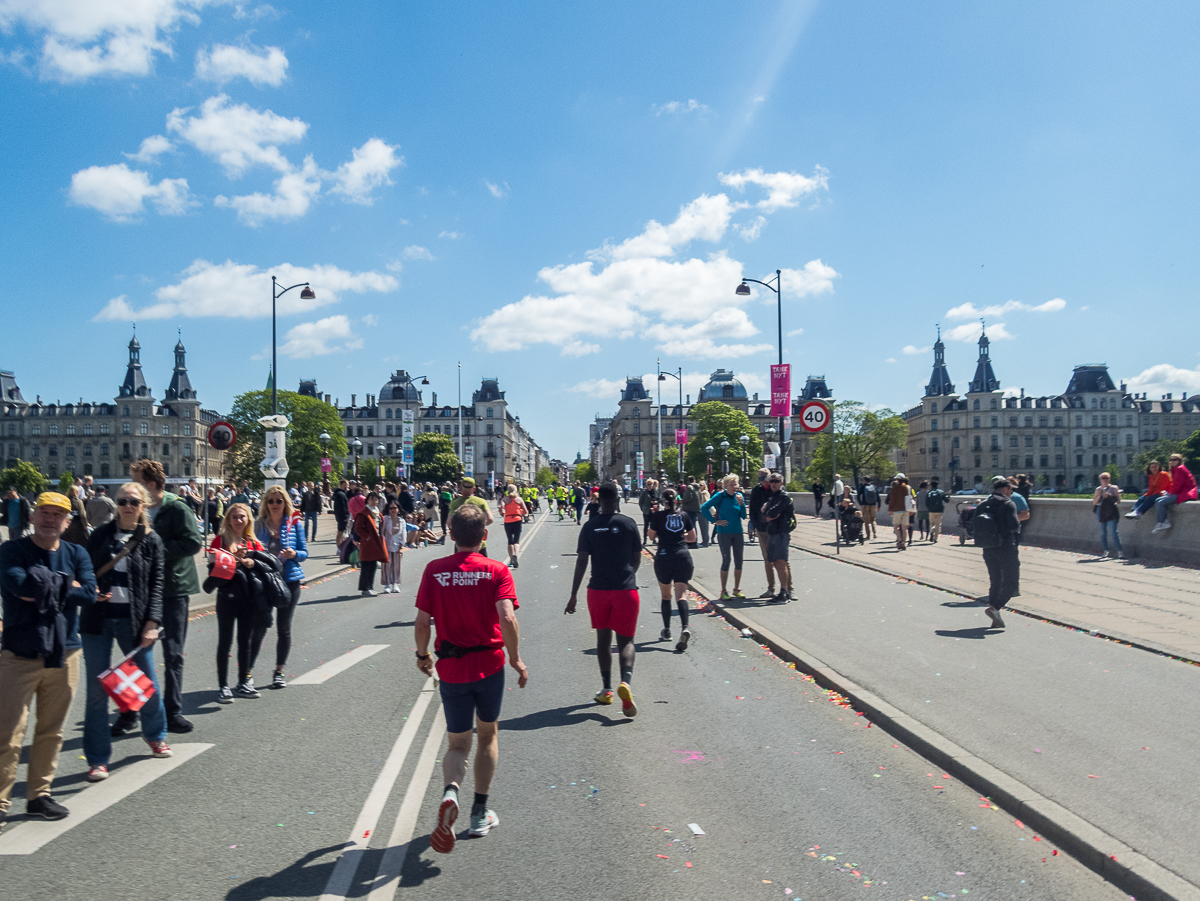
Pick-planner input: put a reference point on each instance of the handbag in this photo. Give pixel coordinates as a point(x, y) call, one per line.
point(1108, 508)
point(130, 546)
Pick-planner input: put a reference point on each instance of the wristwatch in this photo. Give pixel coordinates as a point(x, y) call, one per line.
point(422, 656)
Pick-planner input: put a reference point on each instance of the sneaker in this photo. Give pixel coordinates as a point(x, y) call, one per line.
point(516, 564)
point(767, 595)
point(626, 695)
point(664, 635)
point(277, 681)
point(604, 696)
point(45, 808)
point(442, 838)
point(737, 593)
point(1132, 514)
point(125, 723)
point(997, 619)
point(180, 725)
point(246, 689)
point(483, 823)
point(725, 596)
point(684, 638)
point(160, 749)
point(1120, 555)
point(781, 598)
point(224, 696)
point(370, 593)
point(97, 773)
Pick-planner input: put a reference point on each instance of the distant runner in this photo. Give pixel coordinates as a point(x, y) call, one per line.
point(674, 529)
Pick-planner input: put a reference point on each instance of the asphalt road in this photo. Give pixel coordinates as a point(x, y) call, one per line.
point(796, 798)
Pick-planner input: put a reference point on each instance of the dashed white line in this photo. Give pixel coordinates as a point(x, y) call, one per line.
point(331, 668)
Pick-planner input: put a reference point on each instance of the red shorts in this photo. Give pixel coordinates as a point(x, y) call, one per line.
point(616, 610)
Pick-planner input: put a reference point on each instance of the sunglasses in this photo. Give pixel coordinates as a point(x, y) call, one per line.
point(275, 500)
point(128, 502)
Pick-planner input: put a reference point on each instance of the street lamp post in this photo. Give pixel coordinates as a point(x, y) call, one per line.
point(274, 465)
point(743, 441)
point(680, 448)
point(358, 446)
point(708, 450)
point(724, 456)
point(325, 438)
point(379, 452)
point(743, 290)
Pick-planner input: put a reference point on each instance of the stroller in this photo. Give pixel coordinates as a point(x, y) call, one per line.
point(852, 525)
point(966, 512)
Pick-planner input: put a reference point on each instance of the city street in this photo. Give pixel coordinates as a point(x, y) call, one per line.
point(739, 778)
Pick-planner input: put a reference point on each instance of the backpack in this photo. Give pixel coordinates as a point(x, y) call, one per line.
point(985, 530)
point(935, 500)
point(870, 496)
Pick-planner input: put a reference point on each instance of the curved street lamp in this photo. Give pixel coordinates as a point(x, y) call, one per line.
point(358, 446)
point(744, 440)
point(743, 290)
point(307, 294)
point(725, 456)
point(680, 448)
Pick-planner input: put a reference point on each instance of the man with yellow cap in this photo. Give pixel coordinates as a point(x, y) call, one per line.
point(467, 495)
point(40, 648)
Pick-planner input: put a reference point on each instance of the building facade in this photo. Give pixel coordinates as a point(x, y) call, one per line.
point(503, 450)
point(1062, 441)
point(102, 439)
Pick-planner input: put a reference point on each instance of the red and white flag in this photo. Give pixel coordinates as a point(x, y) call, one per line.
point(127, 685)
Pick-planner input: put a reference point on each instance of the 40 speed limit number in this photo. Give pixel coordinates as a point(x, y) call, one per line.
point(814, 416)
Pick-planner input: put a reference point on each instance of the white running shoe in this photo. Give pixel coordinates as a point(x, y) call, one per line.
point(482, 824)
point(1132, 514)
point(997, 619)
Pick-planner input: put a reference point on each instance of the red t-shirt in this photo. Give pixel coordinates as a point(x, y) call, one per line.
point(460, 592)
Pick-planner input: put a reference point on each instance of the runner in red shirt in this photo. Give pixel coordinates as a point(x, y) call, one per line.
point(473, 600)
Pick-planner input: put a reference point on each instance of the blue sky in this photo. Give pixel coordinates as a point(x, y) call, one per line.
point(558, 194)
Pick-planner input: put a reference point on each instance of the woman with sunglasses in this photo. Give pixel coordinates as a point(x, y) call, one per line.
point(128, 610)
point(236, 604)
point(280, 531)
point(371, 550)
point(395, 532)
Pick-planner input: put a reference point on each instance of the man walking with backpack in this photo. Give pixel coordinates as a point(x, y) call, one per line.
point(779, 513)
point(995, 528)
point(868, 499)
point(935, 503)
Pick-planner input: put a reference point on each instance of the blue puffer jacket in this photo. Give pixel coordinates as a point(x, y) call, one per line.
point(291, 536)
point(732, 509)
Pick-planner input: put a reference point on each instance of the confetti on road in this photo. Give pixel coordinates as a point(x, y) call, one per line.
point(696, 830)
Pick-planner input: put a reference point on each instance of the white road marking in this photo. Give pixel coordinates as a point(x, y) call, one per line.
point(343, 871)
point(387, 880)
point(331, 668)
point(28, 837)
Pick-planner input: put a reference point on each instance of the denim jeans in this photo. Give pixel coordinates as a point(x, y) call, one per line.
point(310, 519)
point(1163, 505)
point(1104, 534)
point(97, 657)
point(1144, 503)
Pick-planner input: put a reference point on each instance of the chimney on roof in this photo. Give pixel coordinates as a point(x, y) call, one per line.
point(1022, 392)
point(1123, 388)
point(353, 399)
point(326, 398)
point(435, 398)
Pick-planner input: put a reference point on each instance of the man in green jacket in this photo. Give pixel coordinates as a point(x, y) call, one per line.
point(176, 526)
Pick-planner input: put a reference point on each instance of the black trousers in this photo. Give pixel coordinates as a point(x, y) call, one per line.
point(231, 613)
point(366, 574)
point(283, 625)
point(1004, 569)
point(174, 636)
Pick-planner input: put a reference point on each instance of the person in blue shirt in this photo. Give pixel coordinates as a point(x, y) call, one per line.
point(726, 510)
point(279, 529)
point(1022, 516)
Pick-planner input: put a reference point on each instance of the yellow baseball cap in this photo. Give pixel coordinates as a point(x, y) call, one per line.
point(467, 480)
point(53, 499)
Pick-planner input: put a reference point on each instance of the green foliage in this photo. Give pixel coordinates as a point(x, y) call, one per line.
point(1191, 451)
point(544, 477)
point(864, 439)
point(716, 421)
point(368, 470)
point(795, 486)
point(1161, 451)
point(434, 459)
point(670, 461)
point(585, 472)
point(309, 418)
point(65, 481)
point(25, 477)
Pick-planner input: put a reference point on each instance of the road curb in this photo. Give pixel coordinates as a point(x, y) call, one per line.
point(210, 606)
point(1109, 857)
point(1022, 609)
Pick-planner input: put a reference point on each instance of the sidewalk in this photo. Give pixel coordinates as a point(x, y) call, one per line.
point(1152, 606)
point(1088, 724)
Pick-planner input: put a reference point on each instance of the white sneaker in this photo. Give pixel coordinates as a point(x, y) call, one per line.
point(1132, 514)
point(1120, 555)
point(370, 593)
point(997, 619)
point(1161, 527)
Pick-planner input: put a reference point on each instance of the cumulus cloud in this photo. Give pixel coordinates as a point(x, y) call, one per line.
point(242, 291)
point(970, 311)
point(258, 65)
point(497, 190)
point(294, 193)
point(357, 179)
point(912, 350)
point(452, 236)
point(602, 388)
point(236, 135)
point(82, 39)
point(700, 339)
point(752, 229)
point(969, 332)
point(119, 193)
point(693, 384)
point(332, 334)
point(784, 189)
point(150, 150)
point(814, 278)
point(678, 106)
point(1163, 378)
point(705, 219)
point(417, 252)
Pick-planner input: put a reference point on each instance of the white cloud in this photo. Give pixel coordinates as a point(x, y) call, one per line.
point(814, 278)
point(368, 170)
point(579, 349)
point(258, 65)
point(151, 149)
point(497, 190)
point(261, 11)
point(317, 339)
point(239, 290)
point(699, 340)
point(118, 192)
point(604, 388)
point(969, 332)
point(87, 38)
point(237, 136)
point(294, 193)
point(784, 189)
point(970, 311)
point(370, 319)
point(1163, 378)
point(453, 236)
point(705, 219)
point(752, 229)
point(890, 360)
point(417, 252)
point(794, 332)
point(679, 106)
point(912, 350)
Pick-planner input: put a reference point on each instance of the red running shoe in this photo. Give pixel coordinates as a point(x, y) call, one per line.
point(442, 838)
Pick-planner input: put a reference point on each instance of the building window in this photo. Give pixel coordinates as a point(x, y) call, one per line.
point(389, 431)
point(995, 422)
point(70, 430)
point(1079, 442)
point(954, 424)
point(370, 431)
point(491, 429)
point(489, 413)
point(389, 415)
point(360, 431)
point(933, 425)
point(70, 450)
point(187, 430)
point(976, 407)
point(53, 450)
point(166, 430)
point(1095, 457)
point(1012, 440)
point(995, 442)
point(954, 443)
point(1043, 440)
point(87, 450)
point(933, 408)
point(104, 449)
point(976, 445)
point(390, 448)
point(187, 413)
point(1045, 461)
point(52, 430)
point(166, 450)
point(35, 430)
point(1058, 422)
point(35, 450)
point(1095, 441)
point(143, 428)
point(977, 420)
point(125, 449)
point(1014, 461)
point(1058, 461)
point(637, 428)
point(104, 428)
point(933, 445)
point(87, 429)
point(978, 459)
point(145, 450)
point(186, 450)
point(1029, 461)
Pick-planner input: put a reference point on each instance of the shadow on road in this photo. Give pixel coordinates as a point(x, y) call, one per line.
point(302, 879)
point(559, 716)
point(397, 624)
point(976, 632)
point(978, 602)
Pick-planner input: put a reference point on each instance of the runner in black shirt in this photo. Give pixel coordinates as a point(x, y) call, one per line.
point(612, 543)
point(674, 529)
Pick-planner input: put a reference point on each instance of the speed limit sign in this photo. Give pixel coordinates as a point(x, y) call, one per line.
point(814, 416)
point(221, 435)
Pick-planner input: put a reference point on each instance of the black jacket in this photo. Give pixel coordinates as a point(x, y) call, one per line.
point(246, 587)
point(146, 569)
point(758, 496)
point(1004, 512)
point(341, 504)
point(310, 502)
point(779, 506)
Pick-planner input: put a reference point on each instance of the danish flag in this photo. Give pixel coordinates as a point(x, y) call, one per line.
point(127, 685)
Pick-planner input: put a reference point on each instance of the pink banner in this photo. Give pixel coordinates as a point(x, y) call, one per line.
point(781, 389)
point(681, 436)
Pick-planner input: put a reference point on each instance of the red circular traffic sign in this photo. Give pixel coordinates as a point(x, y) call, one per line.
point(814, 416)
point(221, 435)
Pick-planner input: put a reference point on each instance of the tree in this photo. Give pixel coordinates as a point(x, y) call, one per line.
point(65, 481)
point(25, 477)
point(585, 472)
point(434, 459)
point(864, 440)
point(309, 418)
point(544, 477)
point(1161, 451)
point(716, 421)
point(1191, 451)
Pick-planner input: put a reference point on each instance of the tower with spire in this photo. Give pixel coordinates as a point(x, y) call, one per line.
point(135, 383)
point(180, 387)
point(939, 382)
point(985, 379)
